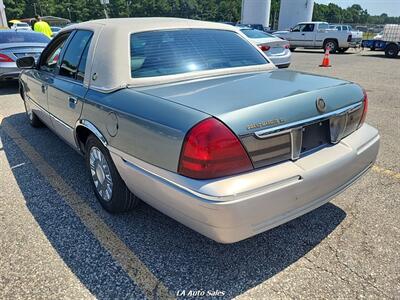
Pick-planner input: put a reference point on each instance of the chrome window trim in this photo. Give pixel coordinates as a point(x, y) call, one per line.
point(262, 134)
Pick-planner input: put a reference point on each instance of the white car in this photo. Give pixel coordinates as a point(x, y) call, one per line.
point(379, 36)
point(275, 48)
point(21, 26)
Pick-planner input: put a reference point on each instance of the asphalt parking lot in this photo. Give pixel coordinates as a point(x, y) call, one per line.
point(57, 242)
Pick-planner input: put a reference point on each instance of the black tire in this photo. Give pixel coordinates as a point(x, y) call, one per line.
point(331, 44)
point(392, 50)
point(343, 50)
point(292, 49)
point(33, 119)
point(121, 198)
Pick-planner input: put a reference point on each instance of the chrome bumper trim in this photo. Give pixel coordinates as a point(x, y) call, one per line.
point(276, 130)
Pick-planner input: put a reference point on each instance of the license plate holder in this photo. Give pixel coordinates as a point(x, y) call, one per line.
point(315, 136)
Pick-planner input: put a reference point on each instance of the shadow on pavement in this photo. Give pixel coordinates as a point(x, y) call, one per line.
point(9, 87)
point(320, 51)
point(380, 55)
point(181, 258)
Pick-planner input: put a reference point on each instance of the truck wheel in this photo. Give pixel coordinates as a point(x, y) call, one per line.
point(391, 50)
point(331, 44)
point(342, 50)
point(108, 186)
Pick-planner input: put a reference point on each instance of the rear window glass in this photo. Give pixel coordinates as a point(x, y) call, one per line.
point(256, 34)
point(22, 37)
point(324, 26)
point(170, 52)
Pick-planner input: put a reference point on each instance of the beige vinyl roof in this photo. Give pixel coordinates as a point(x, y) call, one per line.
point(108, 65)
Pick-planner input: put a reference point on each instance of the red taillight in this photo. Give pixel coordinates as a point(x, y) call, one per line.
point(211, 150)
point(365, 109)
point(287, 46)
point(264, 47)
point(5, 58)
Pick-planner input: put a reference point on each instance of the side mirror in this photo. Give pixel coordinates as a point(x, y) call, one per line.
point(27, 62)
point(291, 29)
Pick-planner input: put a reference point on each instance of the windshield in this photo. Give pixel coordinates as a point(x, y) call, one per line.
point(256, 34)
point(22, 25)
point(22, 37)
point(169, 52)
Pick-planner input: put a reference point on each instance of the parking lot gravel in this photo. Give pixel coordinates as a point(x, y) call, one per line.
point(57, 242)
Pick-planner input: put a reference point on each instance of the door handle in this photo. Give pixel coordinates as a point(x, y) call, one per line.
point(44, 88)
point(73, 100)
point(303, 34)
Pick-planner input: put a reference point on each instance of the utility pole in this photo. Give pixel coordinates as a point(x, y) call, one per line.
point(69, 13)
point(105, 2)
point(40, 7)
point(128, 6)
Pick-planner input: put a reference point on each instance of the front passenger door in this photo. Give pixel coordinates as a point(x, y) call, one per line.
point(308, 35)
point(295, 36)
point(40, 77)
point(67, 91)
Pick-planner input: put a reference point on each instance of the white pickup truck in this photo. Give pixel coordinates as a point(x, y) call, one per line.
point(318, 35)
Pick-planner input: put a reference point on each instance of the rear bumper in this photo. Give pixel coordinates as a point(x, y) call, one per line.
point(281, 61)
point(9, 71)
point(231, 209)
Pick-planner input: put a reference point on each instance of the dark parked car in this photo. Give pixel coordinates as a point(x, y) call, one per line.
point(255, 26)
point(17, 44)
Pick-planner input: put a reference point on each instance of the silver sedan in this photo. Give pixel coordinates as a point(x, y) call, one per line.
point(275, 48)
point(17, 44)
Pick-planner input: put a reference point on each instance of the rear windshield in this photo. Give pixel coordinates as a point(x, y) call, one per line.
point(22, 37)
point(256, 34)
point(170, 52)
point(323, 26)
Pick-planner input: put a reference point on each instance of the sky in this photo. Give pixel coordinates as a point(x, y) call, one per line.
point(374, 7)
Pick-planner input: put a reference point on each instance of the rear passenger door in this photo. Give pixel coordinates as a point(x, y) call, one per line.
point(67, 91)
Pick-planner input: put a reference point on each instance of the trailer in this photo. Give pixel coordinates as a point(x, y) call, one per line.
point(391, 48)
point(390, 42)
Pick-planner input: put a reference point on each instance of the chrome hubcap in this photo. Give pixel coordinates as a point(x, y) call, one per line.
point(101, 174)
point(330, 45)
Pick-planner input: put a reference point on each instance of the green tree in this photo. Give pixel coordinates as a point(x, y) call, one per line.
point(15, 9)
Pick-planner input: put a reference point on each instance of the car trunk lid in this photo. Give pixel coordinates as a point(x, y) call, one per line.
point(23, 49)
point(276, 45)
point(274, 114)
point(264, 99)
